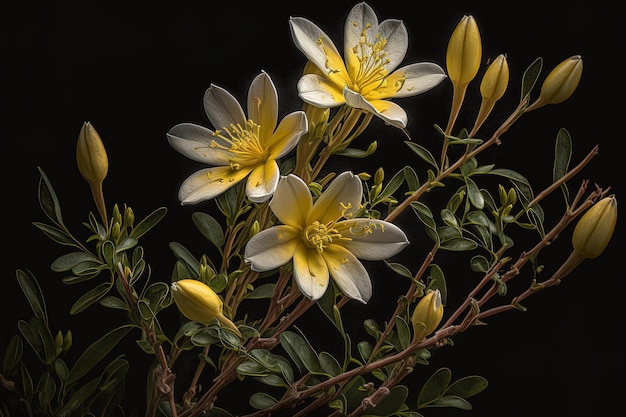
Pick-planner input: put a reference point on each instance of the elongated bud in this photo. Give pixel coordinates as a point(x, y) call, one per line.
point(496, 79)
point(562, 81)
point(464, 51)
point(427, 315)
point(91, 156)
point(198, 302)
point(595, 228)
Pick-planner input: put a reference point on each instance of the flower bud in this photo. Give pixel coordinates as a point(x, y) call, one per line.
point(91, 156)
point(198, 302)
point(464, 51)
point(561, 82)
point(427, 315)
point(595, 228)
point(495, 80)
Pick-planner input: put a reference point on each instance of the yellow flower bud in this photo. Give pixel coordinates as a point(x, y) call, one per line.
point(464, 51)
point(496, 79)
point(91, 156)
point(561, 82)
point(595, 228)
point(427, 315)
point(198, 302)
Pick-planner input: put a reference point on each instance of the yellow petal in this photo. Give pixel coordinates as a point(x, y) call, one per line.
point(343, 193)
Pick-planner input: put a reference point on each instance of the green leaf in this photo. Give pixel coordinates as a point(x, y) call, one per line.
point(46, 388)
point(357, 153)
point(193, 265)
point(55, 234)
point(262, 291)
point(82, 394)
point(391, 403)
point(12, 356)
point(530, 78)
point(438, 281)
point(434, 387)
point(114, 303)
point(90, 297)
point(31, 289)
point(128, 243)
point(209, 228)
point(96, 352)
point(399, 269)
point(329, 364)
point(459, 244)
point(301, 352)
point(38, 336)
point(452, 401)
point(422, 152)
point(474, 194)
point(562, 157)
point(148, 223)
point(404, 334)
point(70, 260)
point(410, 176)
point(60, 368)
point(261, 401)
point(467, 387)
point(48, 199)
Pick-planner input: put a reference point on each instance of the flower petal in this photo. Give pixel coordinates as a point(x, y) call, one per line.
point(397, 37)
point(222, 108)
point(263, 104)
point(361, 19)
point(195, 141)
point(310, 272)
point(414, 79)
point(319, 49)
point(288, 133)
point(292, 201)
point(319, 91)
point(349, 274)
point(387, 110)
point(209, 183)
point(371, 239)
point(262, 181)
point(271, 248)
point(344, 191)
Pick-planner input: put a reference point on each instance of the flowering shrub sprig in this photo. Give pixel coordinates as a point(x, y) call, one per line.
point(293, 233)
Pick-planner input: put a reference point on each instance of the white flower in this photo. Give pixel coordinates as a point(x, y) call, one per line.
point(319, 242)
point(368, 77)
point(238, 147)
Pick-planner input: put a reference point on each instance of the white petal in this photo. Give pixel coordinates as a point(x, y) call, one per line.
point(387, 110)
point(360, 17)
point(397, 41)
point(310, 272)
point(319, 91)
point(292, 201)
point(372, 240)
point(316, 45)
point(344, 191)
point(209, 183)
point(418, 78)
point(349, 274)
point(222, 108)
point(271, 248)
point(263, 104)
point(195, 141)
point(288, 133)
point(262, 182)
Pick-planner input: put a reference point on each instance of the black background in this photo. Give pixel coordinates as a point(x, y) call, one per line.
point(136, 70)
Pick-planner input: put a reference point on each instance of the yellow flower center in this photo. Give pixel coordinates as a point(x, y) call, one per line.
point(245, 144)
point(319, 236)
point(371, 73)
